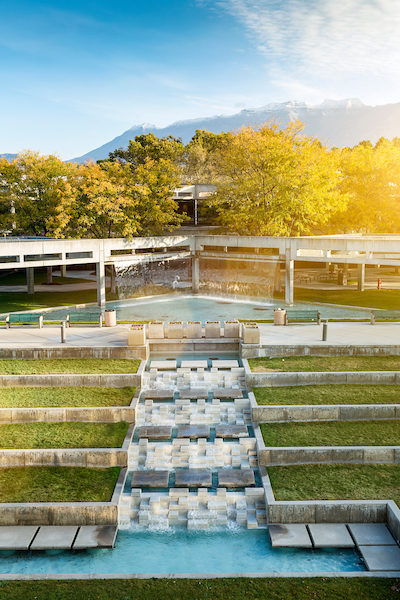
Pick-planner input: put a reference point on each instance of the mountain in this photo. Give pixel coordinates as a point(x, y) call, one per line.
point(8, 156)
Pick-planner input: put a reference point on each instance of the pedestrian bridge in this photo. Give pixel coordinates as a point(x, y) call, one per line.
point(356, 249)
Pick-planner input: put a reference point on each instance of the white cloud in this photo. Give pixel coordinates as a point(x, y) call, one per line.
point(325, 37)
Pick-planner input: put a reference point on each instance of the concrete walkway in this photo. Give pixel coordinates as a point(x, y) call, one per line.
point(341, 334)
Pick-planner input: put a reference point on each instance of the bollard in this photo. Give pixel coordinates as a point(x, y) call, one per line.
point(379, 284)
point(63, 332)
point(325, 330)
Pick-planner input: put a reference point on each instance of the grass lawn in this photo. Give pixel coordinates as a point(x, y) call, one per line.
point(63, 435)
point(332, 433)
point(336, 482)
point(281, 588)
point(19, 278)
point(28, 397)
point(16, 301)
point(327, 394)
point(322, 363)
point(385, 299)
point(57, 484)
point(42, 366)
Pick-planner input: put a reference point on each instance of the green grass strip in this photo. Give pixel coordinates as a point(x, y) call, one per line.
point(17, 301)
point(327, 394)
point(322, 363)
point(332, 433)
point(63, 435)
point(68, 366)
point(384, 299)
point(57, 484)
point(239, 588)
point(44, 397)
point(336, 482)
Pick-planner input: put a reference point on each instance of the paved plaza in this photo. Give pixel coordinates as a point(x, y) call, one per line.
point(347, 333)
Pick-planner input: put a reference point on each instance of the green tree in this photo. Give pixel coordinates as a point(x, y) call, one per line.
point(275, 181)
point(149, 147)
point(371, 179)
point(30, 189)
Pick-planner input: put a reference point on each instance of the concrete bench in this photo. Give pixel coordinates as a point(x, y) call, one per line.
point(84, 317)
point(303, 315)
point(24, 319)
point(385, 315)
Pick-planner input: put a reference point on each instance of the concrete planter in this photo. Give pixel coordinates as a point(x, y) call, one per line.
point(175, 330)
point(194, 330)
point(231, 329)
point(279, 316)
point(212, 329)
point(137, 335)
point(155, 330)
point(251, 334)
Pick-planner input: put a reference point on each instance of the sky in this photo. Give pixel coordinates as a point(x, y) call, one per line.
point(76, 74)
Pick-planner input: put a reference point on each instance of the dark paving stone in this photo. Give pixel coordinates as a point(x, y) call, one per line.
point(54, 537)
point(17, 537)
point(156, 432)
point(159, 395)
point(150, 479)
point(227, 393)
point(231, 431)
point(95, 536)
point(193, 431)
point(236, 478)
point(200, 393)
point(193, 478)
point(330, 535)
point(381, 558)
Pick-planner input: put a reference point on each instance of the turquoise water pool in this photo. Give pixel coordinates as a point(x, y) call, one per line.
point(182, 551)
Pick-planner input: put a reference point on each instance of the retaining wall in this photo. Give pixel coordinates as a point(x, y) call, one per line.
point(102, 380)
point(309, 455)
point(64, 513)
point(100, 414)
point(278, 350)
point(70, 352)
point(322, 378)
point(323, 412)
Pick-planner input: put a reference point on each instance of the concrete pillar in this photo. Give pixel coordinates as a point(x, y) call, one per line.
point(277, 280)
point(30, 280)
point(195, 274)
point(289, 279)
point(49, 275)
point(63, 270)
point(101, 284)
point(113, 287)
point(361, 278)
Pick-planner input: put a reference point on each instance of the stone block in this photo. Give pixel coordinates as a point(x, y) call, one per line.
point(371, 534)
point(137, 335)
point(54, 537)
point(194, 330)
point(175, 330)
point(17, 537)
point(381, 558)
point(155, 330)
point(330, 535)
point(289, 536)
point(231, 329)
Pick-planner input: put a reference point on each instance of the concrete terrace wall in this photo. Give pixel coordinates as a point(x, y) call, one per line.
point(310, 455)
point(102, 380)
point(101, 414)
point(277, 351)
point(69, 352)
point(64, 513)
point(102, 458)
point(324, 412)
point(322, 378)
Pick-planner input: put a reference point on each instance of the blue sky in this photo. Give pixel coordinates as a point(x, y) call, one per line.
point(76, 74)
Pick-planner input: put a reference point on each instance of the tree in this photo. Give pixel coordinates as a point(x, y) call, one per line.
point(149, 147)
point(113, 200)
point(200, 157)
point(275, 182)
point(371, 179)
point(30, 189)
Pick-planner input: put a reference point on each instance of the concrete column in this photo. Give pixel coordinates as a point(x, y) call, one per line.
point(195, 274)
point(49, 275)
point(30, 280)
point(361, 278)
point(277, 280)
point(101, 284)
point(63, 270)
point(289, 279)
point(397, 269)
point(113, 288)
